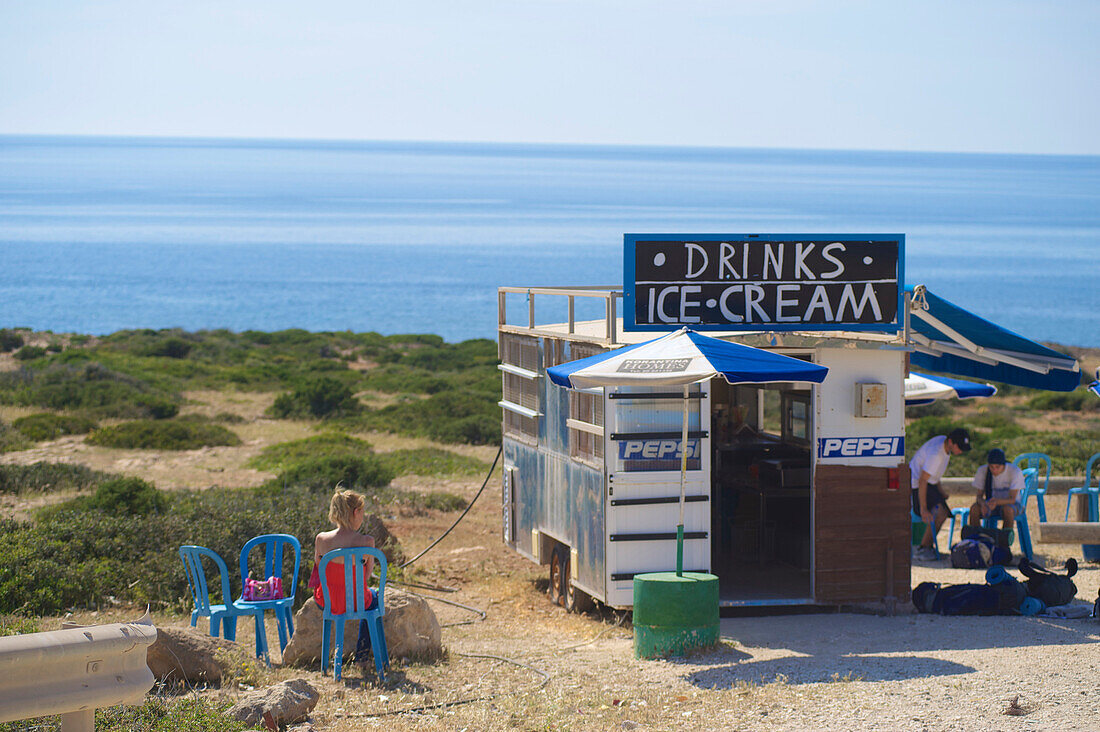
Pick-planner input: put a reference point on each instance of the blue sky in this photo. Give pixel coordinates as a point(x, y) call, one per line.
point(1003, 76)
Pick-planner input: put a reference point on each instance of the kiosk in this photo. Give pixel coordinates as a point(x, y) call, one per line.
point(796, 494)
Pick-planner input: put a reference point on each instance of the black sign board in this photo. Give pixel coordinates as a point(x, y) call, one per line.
point(763, 281)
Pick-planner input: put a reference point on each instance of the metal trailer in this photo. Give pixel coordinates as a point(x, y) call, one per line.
point(796, 495)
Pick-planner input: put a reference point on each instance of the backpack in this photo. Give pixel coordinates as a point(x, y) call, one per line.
point(1053, 589)
point(1003, 598)
point(971, 554)
point(996, 539)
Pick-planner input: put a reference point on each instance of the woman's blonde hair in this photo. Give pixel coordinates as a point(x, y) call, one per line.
point(343, 505)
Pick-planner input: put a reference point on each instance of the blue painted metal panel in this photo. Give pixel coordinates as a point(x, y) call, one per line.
point(556, 494)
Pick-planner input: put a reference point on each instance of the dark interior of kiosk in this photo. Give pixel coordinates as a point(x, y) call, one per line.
point(762, 545)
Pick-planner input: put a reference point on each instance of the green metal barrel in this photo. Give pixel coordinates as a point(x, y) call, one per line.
point(674, 615)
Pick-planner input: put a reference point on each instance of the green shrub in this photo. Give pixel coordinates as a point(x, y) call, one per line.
point(443, 501)
point(77, 557)
point(43, 477)
point(163, 435)
point(432, 462)
point(18, 625)
point(12, 439)
point(1080, 400)
point(456, 417)
point(286, 454)
point(70, 382)
point(161, 714)
point(168, 348)
point(229, 418)
point(9, 340)
point(29, 353)
point(47, 426)
point(322, 396)
point(362, 472)
point(128, 497)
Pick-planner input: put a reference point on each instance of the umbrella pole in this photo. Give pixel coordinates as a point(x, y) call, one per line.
point(683, 478)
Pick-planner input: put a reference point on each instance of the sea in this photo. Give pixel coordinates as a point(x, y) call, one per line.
point(99, 234)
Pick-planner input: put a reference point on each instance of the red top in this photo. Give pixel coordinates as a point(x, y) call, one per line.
point(334, 576)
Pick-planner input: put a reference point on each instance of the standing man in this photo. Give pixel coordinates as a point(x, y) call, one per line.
point(925, 471)
point(999, 484)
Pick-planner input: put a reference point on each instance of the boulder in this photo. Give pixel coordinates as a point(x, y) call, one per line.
point(383, 539)
point(412, 630)
point(186, 655)
point(284, 703)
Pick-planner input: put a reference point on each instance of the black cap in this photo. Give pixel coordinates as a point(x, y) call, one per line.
point(961, 438)
point(996, 456)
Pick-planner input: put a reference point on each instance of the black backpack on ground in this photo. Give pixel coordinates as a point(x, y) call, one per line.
point(1003, 598)
point(997, 538)
point(1053, 589)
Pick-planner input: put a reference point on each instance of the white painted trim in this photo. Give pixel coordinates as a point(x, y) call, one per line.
point(523, 411)
point(517, 371)
point(576, 424)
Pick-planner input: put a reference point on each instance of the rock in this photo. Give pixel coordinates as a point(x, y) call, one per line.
point(286, 702)
point(383, 539)
point(186, 655)
point(412, 630)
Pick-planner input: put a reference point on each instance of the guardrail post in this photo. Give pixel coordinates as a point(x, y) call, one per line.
point(83, 721)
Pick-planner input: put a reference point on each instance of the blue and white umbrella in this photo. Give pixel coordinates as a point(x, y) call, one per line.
point(1094, 387)
point(680, 359)
point(925, 389)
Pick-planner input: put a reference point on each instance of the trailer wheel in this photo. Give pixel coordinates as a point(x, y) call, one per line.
point(576, 600)
point(559, 574)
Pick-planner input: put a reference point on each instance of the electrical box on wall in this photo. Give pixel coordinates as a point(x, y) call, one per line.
point(870, 400)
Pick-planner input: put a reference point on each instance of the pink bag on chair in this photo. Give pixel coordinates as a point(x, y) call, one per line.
point(258, 590)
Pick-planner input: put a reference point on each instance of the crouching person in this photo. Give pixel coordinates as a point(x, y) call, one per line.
point(999, 484)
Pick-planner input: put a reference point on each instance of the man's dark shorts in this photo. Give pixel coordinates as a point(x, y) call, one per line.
point(933, 497)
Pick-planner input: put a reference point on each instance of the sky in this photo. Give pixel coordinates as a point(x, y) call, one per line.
point(961, 75)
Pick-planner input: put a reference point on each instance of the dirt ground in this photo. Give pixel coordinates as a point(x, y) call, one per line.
point(530, 665)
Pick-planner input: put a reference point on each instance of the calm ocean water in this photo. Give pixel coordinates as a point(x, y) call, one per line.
point(100, 234)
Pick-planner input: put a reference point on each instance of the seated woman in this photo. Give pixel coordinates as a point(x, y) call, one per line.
point(346, 511)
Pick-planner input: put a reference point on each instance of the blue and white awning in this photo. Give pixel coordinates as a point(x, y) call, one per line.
point(684, 357)
point(947, 338)
point(925, 389)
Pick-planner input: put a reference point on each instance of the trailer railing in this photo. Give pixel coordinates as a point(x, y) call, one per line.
point(75, 671)
point(608, 335)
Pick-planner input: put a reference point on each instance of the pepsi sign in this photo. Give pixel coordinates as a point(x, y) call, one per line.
point(834, 447)
point(655, 449)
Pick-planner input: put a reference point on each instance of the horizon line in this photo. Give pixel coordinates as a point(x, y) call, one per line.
point(343, 141)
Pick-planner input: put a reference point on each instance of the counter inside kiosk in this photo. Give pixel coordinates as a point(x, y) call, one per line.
point(761, 489)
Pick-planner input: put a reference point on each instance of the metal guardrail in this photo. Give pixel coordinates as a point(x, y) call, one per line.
point(609, 295)
point(75, 671)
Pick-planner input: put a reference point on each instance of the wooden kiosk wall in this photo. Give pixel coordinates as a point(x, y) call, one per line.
point(862, 535)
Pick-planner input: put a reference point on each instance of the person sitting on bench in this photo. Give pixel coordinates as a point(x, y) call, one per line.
point(999, 484)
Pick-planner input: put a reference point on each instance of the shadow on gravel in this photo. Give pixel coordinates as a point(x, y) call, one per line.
point(812, 670)
point(837, 647)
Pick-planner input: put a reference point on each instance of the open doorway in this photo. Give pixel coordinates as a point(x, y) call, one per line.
point(762, 550)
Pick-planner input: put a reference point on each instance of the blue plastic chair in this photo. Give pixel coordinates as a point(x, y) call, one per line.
point(1038, 461)
point(1022, 530)
point(962, 515)
point(914, 518)
point(275, 547)
point(228, 611)
point(1091, 492)
point(355, 608)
